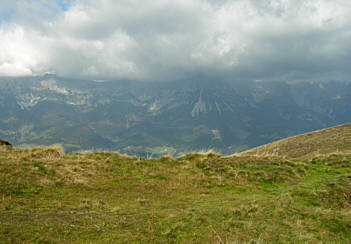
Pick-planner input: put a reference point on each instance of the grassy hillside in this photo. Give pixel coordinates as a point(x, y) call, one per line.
point(308, 145)
point(50, 197)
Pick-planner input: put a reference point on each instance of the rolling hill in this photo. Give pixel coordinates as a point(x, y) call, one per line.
point(48, 196)
point(305, 146)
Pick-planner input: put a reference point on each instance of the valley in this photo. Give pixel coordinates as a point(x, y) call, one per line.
point(151, 119)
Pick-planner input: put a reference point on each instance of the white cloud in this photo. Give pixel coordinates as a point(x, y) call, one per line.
point(167, 39)
point(21, 52)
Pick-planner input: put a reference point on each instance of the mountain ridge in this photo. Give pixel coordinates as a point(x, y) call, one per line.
point(157, 118)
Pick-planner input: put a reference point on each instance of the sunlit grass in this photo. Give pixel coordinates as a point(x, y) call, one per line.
point(332, 140)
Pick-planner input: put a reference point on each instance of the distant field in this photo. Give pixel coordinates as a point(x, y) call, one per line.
point(50, 197)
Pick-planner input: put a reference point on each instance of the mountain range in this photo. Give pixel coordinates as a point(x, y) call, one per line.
point(171, 117)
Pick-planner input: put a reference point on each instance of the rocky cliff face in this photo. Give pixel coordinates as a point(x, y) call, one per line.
point(141, 118)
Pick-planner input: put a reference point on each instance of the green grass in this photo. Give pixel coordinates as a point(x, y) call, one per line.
point(50, 197)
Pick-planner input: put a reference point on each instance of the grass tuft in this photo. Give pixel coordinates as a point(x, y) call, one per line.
point(47, 196)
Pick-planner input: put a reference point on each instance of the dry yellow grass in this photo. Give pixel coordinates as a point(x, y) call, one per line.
point(335, 139)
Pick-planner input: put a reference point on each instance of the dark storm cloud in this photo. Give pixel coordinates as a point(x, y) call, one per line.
point(164, 39)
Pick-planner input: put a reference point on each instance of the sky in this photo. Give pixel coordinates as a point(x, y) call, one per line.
point(287, 40)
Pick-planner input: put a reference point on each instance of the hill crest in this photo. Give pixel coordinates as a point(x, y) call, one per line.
point(307, 145)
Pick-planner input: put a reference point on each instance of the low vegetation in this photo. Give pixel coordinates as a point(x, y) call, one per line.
point(50, 197)
point(4, 143)
point(331, 140)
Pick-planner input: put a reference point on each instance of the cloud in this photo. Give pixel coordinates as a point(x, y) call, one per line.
point(21, 52)
point(165, 39)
